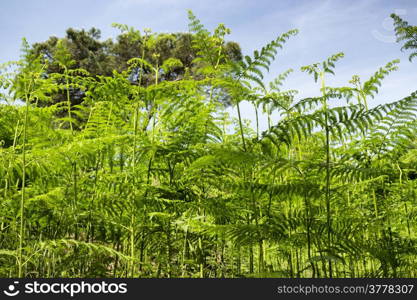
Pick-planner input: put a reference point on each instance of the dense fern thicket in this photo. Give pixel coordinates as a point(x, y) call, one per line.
point(158, 180)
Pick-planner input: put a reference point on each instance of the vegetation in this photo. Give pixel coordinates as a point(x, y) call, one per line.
point(155, 179)
point(82, 49)
point(406, 33)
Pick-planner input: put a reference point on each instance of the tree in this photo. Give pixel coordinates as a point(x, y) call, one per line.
point(102, 58)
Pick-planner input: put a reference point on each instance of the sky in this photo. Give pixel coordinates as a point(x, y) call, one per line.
point(361, 29)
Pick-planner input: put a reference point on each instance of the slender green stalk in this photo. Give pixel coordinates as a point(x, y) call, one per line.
point(23, 192)
point(27, 91)
point(328, 183)
point(68, 100)
point(241, 127)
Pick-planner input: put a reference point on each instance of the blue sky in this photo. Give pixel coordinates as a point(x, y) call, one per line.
point(361, 29)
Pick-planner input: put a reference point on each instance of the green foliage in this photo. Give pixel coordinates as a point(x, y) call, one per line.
point(148, 176)
point(406, 33)
point(84, 50)
point(326, 66)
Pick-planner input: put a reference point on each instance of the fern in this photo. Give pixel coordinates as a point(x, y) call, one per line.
point(406, 33)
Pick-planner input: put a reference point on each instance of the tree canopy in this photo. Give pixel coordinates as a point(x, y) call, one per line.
point(172, 54)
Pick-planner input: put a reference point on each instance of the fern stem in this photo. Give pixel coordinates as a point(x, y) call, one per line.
point(327, 146)
point(68, 101)
point(257, 122)
point(241, 127)
point(23, 192)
